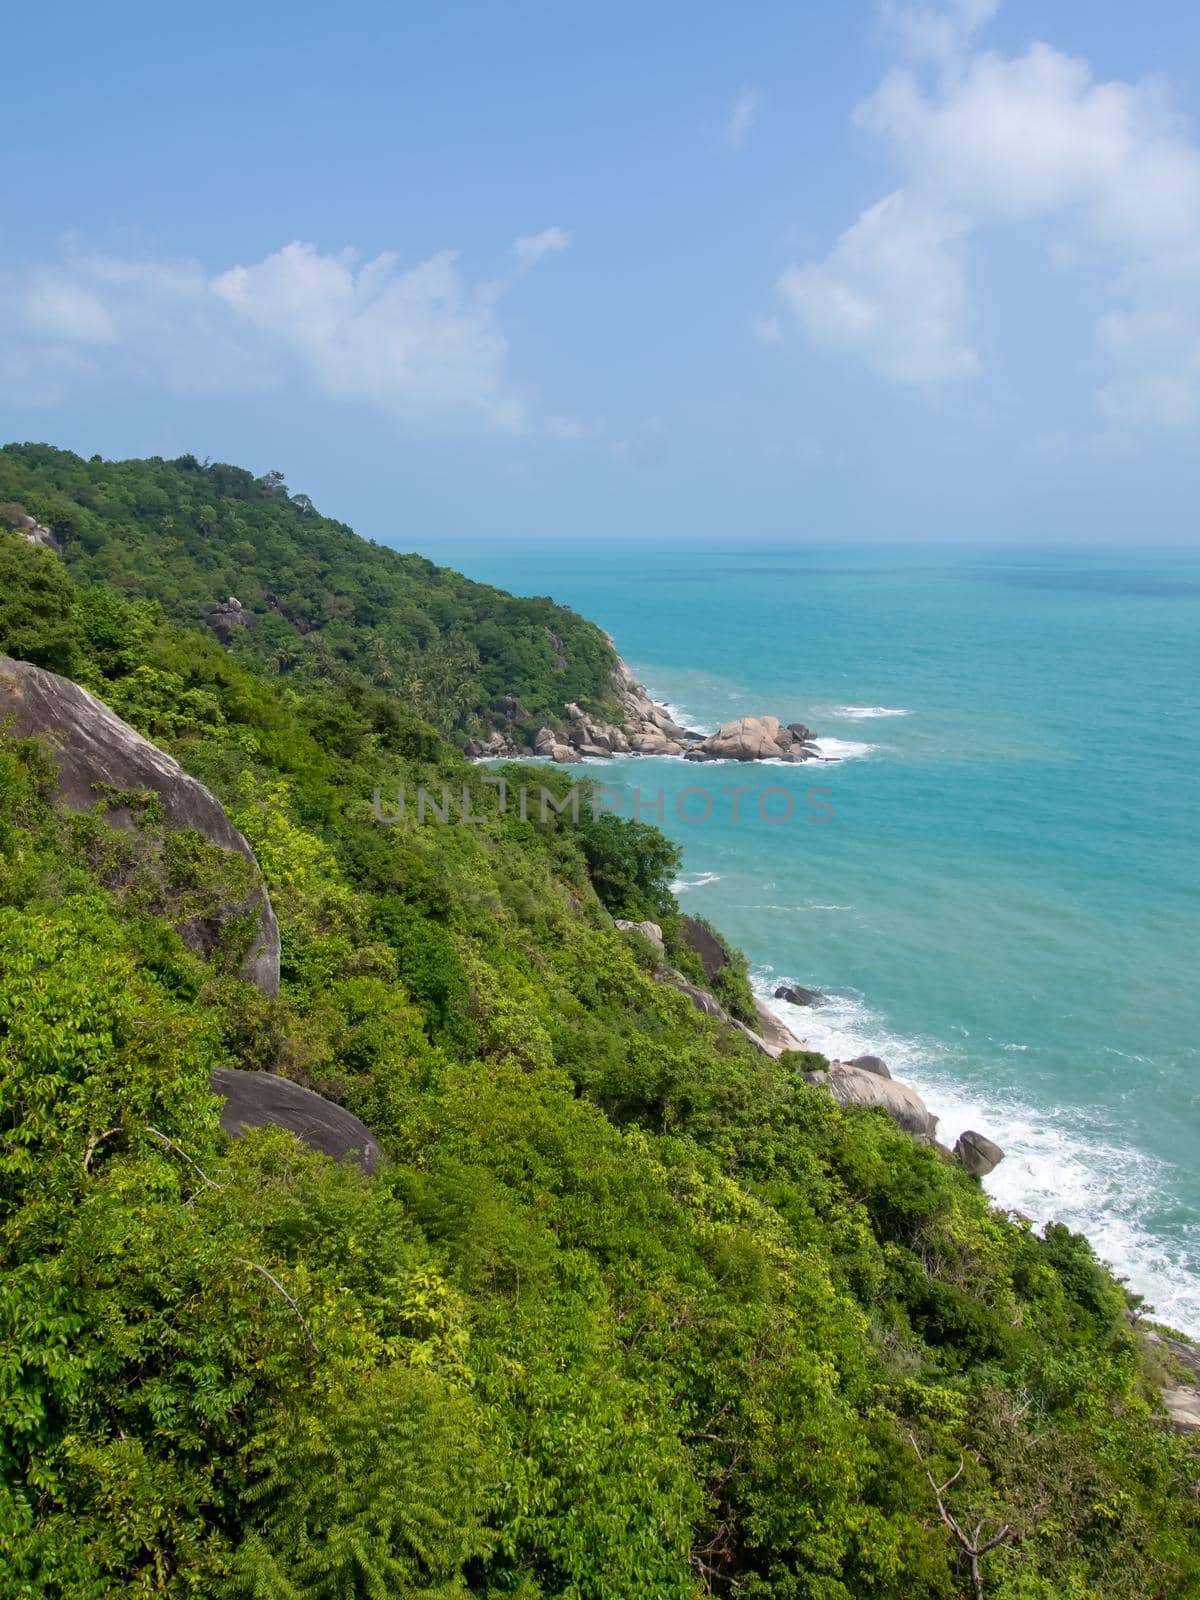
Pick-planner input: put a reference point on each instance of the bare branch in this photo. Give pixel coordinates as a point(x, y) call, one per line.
point(972, 1548)
point(272, 1279)
point(179, 1151)
point(94, 1145)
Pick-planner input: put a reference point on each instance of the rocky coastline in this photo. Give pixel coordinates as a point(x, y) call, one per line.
point(864, 1081)
point(645, 728)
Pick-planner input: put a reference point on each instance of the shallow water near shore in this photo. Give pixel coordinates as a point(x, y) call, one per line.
point(1005, 902)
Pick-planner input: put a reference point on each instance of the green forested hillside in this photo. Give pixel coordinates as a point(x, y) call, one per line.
point(326, 605)
point(630, 1312)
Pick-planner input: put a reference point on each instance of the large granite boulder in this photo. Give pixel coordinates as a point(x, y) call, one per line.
point(746, 739)
point(263, 1100)
point(648, 930)
point(775, 1035)
point(700, 998)
point(875, 1064)
point(495, 747)
point(977, 1153)
point(225, 617)
point(1179, 1361)
point(1183, 1407)
point(32, 531)
point(97, 754)
point(549, 745)
point(772, 1041)
point(851, 1086)
point(654, 742)
point(706, 946)
point(797, 995)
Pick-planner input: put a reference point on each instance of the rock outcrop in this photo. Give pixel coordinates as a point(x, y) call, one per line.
point(700, 998)
point(865, 1081)
point(852, 1086)
point(262, 1100)
point(32, 531)
point(772, 1039)
point(550, 744)
point(756, 739)
point(225, 617)
point(797, 995)
point(100, 757)
point(875, 1064)
point(775, 1034)
point(977, 1154)
point(1179, 1361)
point(705, 944)
point(645, 728)
point(648, 930)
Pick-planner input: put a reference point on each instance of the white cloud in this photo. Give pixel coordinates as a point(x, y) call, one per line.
point(739, 124)
point(530, 249)
point(409, 340)
point(894, 290)
point(936, 32)
point(986, 140)
point(416, 342)
point(62, 309)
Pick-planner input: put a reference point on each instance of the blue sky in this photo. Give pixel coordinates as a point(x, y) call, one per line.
point(924, 270)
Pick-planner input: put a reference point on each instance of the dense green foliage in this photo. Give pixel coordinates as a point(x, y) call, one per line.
point(328, 606)
point(630, 1312)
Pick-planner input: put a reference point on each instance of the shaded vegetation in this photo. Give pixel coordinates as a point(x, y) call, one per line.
point(631, 1311)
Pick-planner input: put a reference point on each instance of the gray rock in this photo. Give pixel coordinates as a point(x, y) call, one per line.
point(30, 529)
point(850, 1086)
point(977, 1154)
point(264, 1100)
point(225, 617)
point(96, 751)
point(796, 994)
point(875, 1064)
point(1183, 1408)
point(700, 998)
point(746, 739)
point(1180, 1360)
point(493, 748)
point(37, 533)
point(654, 743)
point(708, 948)
point(712, 1007)
point(776, 1036)
point(648, 930)
point(1188, 1355)
point(756, 1039)
point(652, 731)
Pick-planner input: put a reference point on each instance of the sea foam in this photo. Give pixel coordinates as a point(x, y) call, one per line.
point(696, 880)
point(865, 713)
point(1055, 1169)
point(843, 749)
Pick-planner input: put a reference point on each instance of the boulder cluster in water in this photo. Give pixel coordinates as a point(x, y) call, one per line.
point(648, 729)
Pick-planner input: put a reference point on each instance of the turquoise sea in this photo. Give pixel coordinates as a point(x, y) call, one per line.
point(1006, 901)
